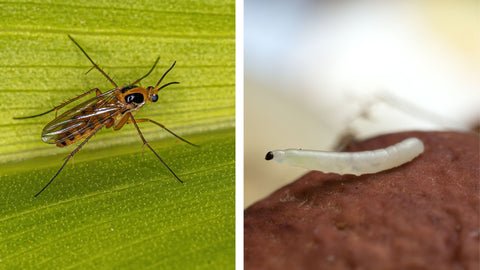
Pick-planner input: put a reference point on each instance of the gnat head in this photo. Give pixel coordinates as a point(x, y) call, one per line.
point(153, 91)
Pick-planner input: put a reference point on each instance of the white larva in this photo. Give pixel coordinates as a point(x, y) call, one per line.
point(356, 163)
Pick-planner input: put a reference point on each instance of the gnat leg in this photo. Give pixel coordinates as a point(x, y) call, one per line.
point(94, 64)
point(162, 126)
point(71, 155)
point(98, 92)
point(148, 145)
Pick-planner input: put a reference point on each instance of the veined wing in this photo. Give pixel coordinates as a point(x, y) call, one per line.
point(76, 123)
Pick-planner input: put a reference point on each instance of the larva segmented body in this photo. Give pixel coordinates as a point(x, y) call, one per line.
point(356, 163)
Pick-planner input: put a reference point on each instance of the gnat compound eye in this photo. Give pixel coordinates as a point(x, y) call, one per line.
point(356, 163)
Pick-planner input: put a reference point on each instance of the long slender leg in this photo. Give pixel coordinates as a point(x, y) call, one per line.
point(71, 156)
point(98, 92)
point(162, 126)
point(94, 65)
point(148, 145)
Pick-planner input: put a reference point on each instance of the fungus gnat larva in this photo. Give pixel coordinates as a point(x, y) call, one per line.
point(356, 163)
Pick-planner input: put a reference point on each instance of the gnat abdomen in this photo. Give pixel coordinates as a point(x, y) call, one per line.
point(64, 131)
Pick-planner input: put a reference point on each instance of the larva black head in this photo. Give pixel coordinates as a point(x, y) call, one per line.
point(269, 156)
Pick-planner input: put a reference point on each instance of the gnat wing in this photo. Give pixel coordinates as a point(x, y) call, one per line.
point(73, 124)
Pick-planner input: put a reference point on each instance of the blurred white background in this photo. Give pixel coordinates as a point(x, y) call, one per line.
point(317, 70)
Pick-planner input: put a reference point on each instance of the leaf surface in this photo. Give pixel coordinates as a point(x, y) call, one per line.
point(117, 208)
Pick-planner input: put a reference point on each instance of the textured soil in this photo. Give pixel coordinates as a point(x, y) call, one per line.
point(422, 215)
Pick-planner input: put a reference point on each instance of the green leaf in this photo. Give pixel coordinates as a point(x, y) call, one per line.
point(117, 208)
